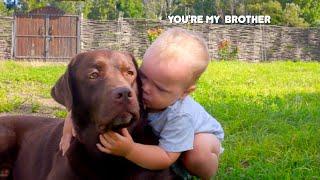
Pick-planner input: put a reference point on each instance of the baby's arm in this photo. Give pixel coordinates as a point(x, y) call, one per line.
point(67, 134)
point(147, 156)
point(151, 157)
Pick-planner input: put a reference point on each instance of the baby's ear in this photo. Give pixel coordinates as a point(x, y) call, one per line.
point(189, 91)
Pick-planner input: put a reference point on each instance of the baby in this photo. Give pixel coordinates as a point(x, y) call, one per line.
point(169, 71)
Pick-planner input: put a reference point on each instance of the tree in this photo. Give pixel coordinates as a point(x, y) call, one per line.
point(184, 7)
point(310, 11)
point(159, 9)
point(7, 7)
point(292, 16)
point(29, 5)
point(131, 8)
point(153, 9)
point(110, 9)
point(3, 9)
point(102, 9)
point(274, 10)
point(282, 12)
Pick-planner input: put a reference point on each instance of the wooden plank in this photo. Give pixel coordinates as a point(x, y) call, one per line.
point(63, 37)
point(29, 36)
point(27, 46)
point(46, 36)
point(40, 57)
point(62, 47)
point(46, 45)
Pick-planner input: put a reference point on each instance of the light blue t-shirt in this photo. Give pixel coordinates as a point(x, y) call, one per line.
point(177, 124)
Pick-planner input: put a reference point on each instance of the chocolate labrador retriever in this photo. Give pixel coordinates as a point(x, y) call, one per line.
point(102, 89)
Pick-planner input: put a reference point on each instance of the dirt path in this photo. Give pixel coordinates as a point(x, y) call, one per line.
point(39, 107)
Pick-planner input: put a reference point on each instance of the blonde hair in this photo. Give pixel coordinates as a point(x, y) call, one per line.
point(182, 46)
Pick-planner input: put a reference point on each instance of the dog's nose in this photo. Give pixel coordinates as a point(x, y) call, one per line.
point(122, 94)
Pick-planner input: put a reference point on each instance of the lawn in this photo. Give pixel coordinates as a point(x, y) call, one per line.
point(270, 112)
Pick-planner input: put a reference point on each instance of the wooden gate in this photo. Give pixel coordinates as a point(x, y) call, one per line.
point(46, 34)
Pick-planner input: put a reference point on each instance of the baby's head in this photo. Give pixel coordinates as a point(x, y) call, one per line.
point(171, 66)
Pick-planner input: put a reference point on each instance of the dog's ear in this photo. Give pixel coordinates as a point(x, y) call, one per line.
point(139, 84)
point(61, 91)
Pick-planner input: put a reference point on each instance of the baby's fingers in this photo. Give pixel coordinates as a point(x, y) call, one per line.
point(125, 132)
point(64, 143)
point(65, 147)
point(113, 135)
point(74, 134)
point(105, 141)
point(108, 138)
point(103, 149)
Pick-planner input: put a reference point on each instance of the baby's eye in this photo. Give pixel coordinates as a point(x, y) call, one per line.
point(131, 73)
point(160, 89)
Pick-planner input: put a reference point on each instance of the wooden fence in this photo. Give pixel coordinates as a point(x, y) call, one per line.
point(254, 43)
point(6, 24)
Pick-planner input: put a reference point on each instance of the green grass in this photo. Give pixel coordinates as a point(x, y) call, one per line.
point(271, 116)
point(270, 112)
point(23, 82)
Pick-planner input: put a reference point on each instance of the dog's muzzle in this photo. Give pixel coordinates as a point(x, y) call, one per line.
point(120, 121)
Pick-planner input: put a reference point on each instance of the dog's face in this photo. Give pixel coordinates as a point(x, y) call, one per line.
point(101, 88)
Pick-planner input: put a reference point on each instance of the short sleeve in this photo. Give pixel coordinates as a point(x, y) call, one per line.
point(177, 134)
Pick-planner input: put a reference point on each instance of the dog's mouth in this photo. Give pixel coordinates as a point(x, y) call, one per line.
point(120, 121)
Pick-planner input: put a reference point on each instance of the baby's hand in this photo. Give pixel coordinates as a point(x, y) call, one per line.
point(67, 133)
point(115, 143)
point(65, 142)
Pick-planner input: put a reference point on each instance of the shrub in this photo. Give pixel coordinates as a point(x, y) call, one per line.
point(153, 33)
point(226, 51)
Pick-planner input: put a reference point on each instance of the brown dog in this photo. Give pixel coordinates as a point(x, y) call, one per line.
point(101, 88)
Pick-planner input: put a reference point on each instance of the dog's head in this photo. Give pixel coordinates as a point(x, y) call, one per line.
point(102, 89)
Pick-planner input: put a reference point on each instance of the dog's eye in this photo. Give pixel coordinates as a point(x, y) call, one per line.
point(93, 75)
point(131, 73)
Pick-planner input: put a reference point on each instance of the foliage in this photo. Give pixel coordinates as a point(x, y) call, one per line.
point(153, 33)
point(102, 9)
point(5, 10)
point(310, 11)
point(273, 9)
point(131, 8)
point(226, 51)
point(111, 9)
point(291, 16)
point(299, 13)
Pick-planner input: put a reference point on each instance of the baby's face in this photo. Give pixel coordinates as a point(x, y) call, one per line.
point(162, 84)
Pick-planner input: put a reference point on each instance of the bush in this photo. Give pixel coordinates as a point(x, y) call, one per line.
point(153, 33)
point(226, 51)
